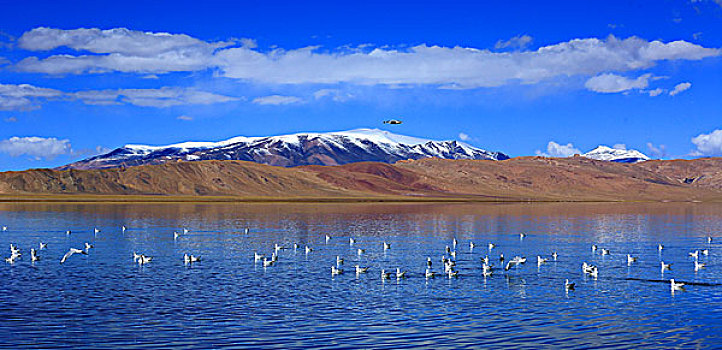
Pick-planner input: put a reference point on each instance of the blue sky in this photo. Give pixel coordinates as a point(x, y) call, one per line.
point(519, 77)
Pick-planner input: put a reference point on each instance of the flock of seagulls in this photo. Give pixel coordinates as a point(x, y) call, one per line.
point(140, 259)
point(448, 260)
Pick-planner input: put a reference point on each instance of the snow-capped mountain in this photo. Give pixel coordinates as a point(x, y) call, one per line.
point(333, 148)
point(616, 155)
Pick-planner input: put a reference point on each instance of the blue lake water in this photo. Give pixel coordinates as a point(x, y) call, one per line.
point(105, 300)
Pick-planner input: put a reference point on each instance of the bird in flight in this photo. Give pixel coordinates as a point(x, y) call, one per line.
point(392, 121)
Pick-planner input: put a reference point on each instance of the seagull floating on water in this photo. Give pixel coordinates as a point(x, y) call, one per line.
point(328, 238)
point(594, 247)
point(486, 270)
point(705, 252)
point(360, 251)
point(43, 246)
point(709, 239)
point(695, 254)
point(267, 262)
point(429, 274)
point(555, 255)
point(569, 285)
point(176, 235)
point(185, 231)
point(522, 235)
point(308, 249)
point(428, 262)
point(540, 260)
point(501, 257)
point(453, 273)
point(387, 246)
point(360, 270)
point(123, 229)
point(5, 228)
point(96, 230)
point(471, 246)
point(491, 246)
point(666, 266)
point(385, 275)
point(142, 260)
point(87, 247)
point(630, 259)
point(660, 247)
point(454, 242)
point(605, 251)
point(67, 232)
point(675, 285)
point(257, 257)
point(189, 259)
point(335, 271)
point(71, 252)
point(698, 265)
point(400, 274)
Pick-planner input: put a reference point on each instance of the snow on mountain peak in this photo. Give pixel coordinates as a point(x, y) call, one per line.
point(330, 148)
point(616, 155)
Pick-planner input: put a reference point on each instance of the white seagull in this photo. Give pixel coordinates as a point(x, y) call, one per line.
point(351, 241)
point(605, 251)
point(705, 252)
point(385, 275)
point(491, 246)
point(360, 251)
point(400, 274)
point(328, 238)
point(666, 266)
point(555, 255)
point(630, 259)
point(540, 260)
point(675, 285)
point(569, 285)
point(360, 270)
point(71, 252)
point(387, 246)
point(308, 249)
point(257, 257)
point(142, 260)
point(698, 265)
point(594, 247)
point(695, 254)
point(660, 247)
point(335, 271)
point(339, 260)
point(429, 274)
point(87, 247)
point(96, 230)
point(43, 246)
point(33, 257)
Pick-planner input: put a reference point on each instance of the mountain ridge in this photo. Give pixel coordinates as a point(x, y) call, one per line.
point(332, 148)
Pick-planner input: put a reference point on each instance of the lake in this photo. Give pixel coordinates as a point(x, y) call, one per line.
point(228, 300)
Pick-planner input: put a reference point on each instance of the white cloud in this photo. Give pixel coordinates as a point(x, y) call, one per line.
point(125, 50)
point(708, 144)
point(655, 92)
point(37, 147)
point(453, 66)
point(557, 150)
point(163, 97)
point(620, 146)
point(117, 49)
point(679, 88)
point(517, 42)
point(276, 100)
point(334, 94)
point(10, 120)
point(464, 137)
point(249, 43)
point(23, 97)
point(185, 117)
point(657, 151)
point(612, 83)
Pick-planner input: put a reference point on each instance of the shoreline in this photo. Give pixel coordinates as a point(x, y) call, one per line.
point(52, 198)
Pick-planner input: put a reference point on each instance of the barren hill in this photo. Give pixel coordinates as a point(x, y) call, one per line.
point(524, 178)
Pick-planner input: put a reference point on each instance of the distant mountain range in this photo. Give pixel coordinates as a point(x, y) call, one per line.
point(333, 148)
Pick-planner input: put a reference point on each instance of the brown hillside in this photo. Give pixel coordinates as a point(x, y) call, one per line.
point(524, 178)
